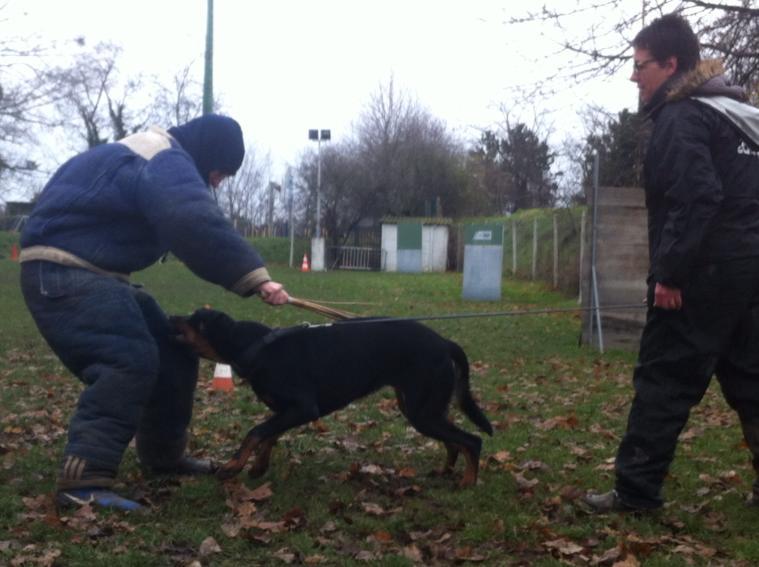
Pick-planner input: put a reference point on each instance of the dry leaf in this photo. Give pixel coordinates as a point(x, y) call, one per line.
point(468, 554)
point(209, 546)
point(262, 493)
point(500, 457)
point(629, 561)
point(284, 555)
point(382, 536)
point(371, 469)
point(412, 553)
point(564, 546)
point(373, 509)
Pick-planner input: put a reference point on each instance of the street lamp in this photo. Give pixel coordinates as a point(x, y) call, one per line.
point(319, 135)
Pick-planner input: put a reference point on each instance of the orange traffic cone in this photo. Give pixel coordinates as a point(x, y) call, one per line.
point(222, 378)
point(304, 265)
point(14, 252)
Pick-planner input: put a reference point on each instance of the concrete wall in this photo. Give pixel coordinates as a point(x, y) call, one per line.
point(621, 265)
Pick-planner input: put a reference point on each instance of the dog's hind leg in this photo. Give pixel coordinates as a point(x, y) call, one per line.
point(472, 465)
point(263, 454)
point(451, 448)
point(456, 440)
point(452, 455)
point(270, 429)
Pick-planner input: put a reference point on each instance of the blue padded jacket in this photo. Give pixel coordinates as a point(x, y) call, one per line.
point(121, 206)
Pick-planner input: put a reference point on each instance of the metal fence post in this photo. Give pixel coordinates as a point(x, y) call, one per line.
point(582, 256)
point(513, 246)
point(555, 251)
point(595, 301)
point(534, 247)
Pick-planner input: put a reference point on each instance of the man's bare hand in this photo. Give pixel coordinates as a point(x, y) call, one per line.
point(669, 298)
point(273, 293)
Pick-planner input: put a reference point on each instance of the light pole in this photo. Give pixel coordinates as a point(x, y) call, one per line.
point(319, 135)
point(208, 70)
point(288, 184)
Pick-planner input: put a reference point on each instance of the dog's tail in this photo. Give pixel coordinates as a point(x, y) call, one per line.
point(463, 394)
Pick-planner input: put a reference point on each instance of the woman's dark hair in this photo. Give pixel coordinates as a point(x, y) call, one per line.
point(670, 36)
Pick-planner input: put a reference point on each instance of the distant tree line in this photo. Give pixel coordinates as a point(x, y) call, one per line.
point(398, 160)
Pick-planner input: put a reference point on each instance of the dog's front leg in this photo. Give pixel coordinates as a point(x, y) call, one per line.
point(237, 462)
point(261, 464)
point(264, 434)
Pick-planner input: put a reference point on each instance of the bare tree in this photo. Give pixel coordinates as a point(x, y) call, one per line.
point(410, 158)
point(96, 100)
point(25, 93)
point(400, 160)
point(726, 29)
point(346, 195)
point(181, 101)
point(242, 197)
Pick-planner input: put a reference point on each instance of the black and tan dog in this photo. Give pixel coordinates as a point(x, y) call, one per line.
point(303, 373)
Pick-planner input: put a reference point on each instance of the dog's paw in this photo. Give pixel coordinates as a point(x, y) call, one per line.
point(257, 472)
point(226, 472)
point(468, 480)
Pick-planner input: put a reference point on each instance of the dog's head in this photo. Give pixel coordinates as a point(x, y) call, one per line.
point(209, 333)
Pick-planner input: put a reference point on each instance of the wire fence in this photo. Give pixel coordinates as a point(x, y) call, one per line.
point(544, 245)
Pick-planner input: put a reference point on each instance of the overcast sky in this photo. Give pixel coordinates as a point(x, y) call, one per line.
point(284, 66)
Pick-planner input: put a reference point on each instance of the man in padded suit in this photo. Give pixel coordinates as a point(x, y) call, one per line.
point(109, 211)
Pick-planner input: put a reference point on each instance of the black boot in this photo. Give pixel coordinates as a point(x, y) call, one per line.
point(605, 502)
point(169, 458)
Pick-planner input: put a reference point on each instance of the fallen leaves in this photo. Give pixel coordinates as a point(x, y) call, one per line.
point(209, 546)
point(560, 422)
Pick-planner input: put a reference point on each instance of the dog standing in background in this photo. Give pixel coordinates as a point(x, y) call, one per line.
point(304, 373)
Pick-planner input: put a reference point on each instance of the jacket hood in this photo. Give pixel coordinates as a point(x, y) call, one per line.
point(213, 141)
point(707, 79)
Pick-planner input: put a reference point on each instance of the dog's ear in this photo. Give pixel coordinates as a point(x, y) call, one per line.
point(210, 321)
point(180, 329)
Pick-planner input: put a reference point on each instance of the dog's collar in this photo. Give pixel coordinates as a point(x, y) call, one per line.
point(250, 353)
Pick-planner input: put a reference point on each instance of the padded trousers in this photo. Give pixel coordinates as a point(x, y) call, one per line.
point(115, 338)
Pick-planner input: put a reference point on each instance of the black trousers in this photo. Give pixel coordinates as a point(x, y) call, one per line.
point(716, 332)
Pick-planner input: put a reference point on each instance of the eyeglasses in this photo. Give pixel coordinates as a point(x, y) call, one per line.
point(638, 66)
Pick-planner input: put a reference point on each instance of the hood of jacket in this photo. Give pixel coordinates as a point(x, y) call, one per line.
point(707, 79)
point(214, 142)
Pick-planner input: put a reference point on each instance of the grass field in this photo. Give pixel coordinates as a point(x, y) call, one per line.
point(355, 488)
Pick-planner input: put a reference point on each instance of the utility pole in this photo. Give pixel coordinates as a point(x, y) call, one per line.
point(288, 184)
point(273, 186)
point(208, 75)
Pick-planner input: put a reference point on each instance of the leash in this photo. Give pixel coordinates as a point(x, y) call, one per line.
point(346, 317)
point(330, 312)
